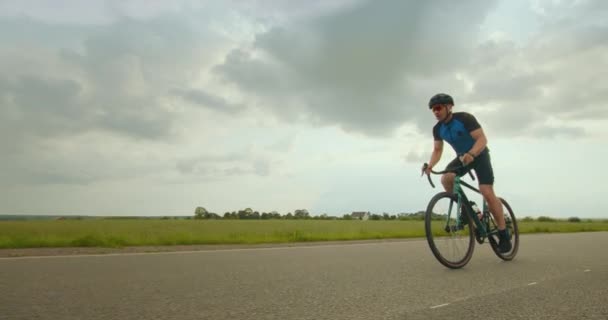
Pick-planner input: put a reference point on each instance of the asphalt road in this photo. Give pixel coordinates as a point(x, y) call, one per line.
point(561, 276)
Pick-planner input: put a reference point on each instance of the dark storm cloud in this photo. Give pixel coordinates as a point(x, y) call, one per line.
point(354, 67)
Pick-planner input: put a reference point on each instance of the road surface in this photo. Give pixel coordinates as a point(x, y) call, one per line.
point(554, 276)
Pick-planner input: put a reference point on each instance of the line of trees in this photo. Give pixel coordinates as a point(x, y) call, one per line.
point(250, 214)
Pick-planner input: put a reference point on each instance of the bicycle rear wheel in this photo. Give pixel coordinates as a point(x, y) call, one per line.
point(511, 224)
point(449, 231)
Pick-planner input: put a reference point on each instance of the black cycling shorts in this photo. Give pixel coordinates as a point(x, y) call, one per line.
point(482, 166)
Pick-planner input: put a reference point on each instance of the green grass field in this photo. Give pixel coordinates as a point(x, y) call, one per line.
point(151, 232)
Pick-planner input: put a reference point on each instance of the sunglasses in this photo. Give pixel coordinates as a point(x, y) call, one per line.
point(437, 108)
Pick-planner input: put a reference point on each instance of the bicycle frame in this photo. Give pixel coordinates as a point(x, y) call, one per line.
point(463, 199)
point(482, 226)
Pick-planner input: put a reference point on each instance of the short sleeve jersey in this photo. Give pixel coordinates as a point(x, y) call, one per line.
point(457, 132)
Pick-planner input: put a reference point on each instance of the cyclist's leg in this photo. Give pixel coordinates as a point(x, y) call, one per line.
point(485, 176)
point(487, 190)
point(447, 180)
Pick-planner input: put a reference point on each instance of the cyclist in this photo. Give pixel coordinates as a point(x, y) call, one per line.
point(462, 131)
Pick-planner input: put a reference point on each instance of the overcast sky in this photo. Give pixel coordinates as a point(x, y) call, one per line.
point(157, 107)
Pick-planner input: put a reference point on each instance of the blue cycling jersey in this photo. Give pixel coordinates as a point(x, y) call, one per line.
point(457, 132)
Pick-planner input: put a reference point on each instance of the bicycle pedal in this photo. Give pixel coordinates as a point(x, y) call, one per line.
point(493, 241)
point(478, 237)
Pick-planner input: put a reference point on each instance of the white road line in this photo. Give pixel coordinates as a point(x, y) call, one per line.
point(439, 306)
point(587, 270)
point(208, 250)
point(532, 283)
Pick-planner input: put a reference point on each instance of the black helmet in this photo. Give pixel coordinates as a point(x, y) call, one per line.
point(441, 98)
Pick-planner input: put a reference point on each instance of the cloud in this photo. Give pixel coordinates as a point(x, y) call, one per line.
point(416, 157)
point(370, 68)
point(40, 105)
point(553, 76)
point(222, 166)
point(80, 160)
point(355, 67)
point(115, 78)
point(101, 86)
point(365, 67)
point(563, 131)
point(202, 98)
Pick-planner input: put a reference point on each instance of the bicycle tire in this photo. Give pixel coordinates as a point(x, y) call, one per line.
point(434, 240)
point(511, 224)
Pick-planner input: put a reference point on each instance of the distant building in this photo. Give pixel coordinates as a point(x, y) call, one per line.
point(360, 215)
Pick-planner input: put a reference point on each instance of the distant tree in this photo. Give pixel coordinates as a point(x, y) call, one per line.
point(244, 214)
point(211, 215)
point(347, 217)
point(574, 219)
point(301, 214)
point(199, 213)
point(545, 219)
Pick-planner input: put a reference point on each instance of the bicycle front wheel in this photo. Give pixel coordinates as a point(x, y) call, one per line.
point(449, 231)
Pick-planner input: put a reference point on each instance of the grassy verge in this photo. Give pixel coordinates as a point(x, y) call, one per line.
point(150, 232)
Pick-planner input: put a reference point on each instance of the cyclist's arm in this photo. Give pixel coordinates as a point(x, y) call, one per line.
point(437, 151)
point(480, 142)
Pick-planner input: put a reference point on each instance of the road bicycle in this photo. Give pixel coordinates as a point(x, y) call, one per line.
point(453, 224)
